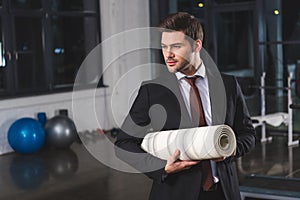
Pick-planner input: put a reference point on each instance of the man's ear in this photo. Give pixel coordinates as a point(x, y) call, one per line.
point(197, 45)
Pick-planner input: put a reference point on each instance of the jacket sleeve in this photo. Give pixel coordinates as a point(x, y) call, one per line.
point(245, 132)
point(128, 142)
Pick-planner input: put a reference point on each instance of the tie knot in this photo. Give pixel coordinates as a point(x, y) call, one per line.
point(191, 80)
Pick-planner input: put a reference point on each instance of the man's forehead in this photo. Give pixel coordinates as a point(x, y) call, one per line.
point(173, 37)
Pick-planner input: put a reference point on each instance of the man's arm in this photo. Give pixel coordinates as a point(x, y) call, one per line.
point(128, 141)
point(128, 144)
point(245, 132)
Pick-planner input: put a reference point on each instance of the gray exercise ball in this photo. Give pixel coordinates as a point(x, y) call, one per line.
point(60, 132)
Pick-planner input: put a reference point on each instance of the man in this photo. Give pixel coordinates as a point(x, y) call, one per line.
point(174, 179)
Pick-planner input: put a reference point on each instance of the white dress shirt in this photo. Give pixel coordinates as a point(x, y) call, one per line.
point(202, 85)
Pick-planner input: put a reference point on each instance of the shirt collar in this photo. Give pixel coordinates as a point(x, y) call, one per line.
point(200, 72)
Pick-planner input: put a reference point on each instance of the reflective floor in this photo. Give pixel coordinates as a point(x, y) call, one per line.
point(74, 174)
point(273, 167)
point(71, 174)
point(272, 159)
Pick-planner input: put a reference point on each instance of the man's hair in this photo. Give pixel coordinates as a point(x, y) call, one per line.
point(184, 22)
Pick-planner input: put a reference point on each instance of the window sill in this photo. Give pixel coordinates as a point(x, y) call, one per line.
point(52, 98)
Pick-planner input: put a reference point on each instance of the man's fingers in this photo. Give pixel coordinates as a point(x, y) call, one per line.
point(176, 154)
point(183, 164)
point(189, 163)
point(174, 157)
point(219, 159)
point(174, 165)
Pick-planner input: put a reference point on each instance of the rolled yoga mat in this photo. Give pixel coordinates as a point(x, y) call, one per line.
point(199, 143)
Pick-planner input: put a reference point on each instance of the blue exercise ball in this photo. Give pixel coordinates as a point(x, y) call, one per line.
point(26, 135)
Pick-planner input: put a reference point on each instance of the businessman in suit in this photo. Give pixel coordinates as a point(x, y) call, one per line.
point(165, 103)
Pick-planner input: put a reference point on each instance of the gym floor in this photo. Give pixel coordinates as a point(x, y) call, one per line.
point(74, 174)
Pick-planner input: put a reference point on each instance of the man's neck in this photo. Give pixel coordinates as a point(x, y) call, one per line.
point(191, 69)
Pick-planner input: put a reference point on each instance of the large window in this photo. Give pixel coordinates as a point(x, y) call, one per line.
point(280, 41)
point(234, 41)
point(245, 37)
point(43, 44)
point(229, 31)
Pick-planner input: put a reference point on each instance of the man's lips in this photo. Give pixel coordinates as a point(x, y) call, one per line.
point(171, 62)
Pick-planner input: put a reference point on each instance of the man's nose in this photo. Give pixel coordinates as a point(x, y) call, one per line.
point(170, 54)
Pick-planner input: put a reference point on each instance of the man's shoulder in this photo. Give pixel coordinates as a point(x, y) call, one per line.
point(152, 82)
point(230, 82)
point(163, 79)
point(227, 77)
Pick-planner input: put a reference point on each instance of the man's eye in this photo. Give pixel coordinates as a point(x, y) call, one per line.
point(163, 47)
point(177, 46)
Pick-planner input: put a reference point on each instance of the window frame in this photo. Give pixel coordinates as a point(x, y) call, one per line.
point(8, 14)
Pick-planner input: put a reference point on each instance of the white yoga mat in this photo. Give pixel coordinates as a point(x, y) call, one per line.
point(194, 144)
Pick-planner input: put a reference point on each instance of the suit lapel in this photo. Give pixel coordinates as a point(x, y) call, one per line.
point(216, 90)
point(170, 81)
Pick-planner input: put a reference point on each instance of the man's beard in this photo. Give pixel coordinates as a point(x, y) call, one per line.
point(182, 67)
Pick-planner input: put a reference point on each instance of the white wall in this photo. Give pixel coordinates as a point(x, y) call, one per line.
point(10, 110)
point(95, 108)
point(124, 34)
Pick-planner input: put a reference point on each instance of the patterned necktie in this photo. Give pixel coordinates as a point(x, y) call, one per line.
point(198, 118)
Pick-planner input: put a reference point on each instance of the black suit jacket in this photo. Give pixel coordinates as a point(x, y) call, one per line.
point(160, 106)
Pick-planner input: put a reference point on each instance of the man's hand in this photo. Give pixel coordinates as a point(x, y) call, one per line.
point(174, 165)
point(219, 159)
